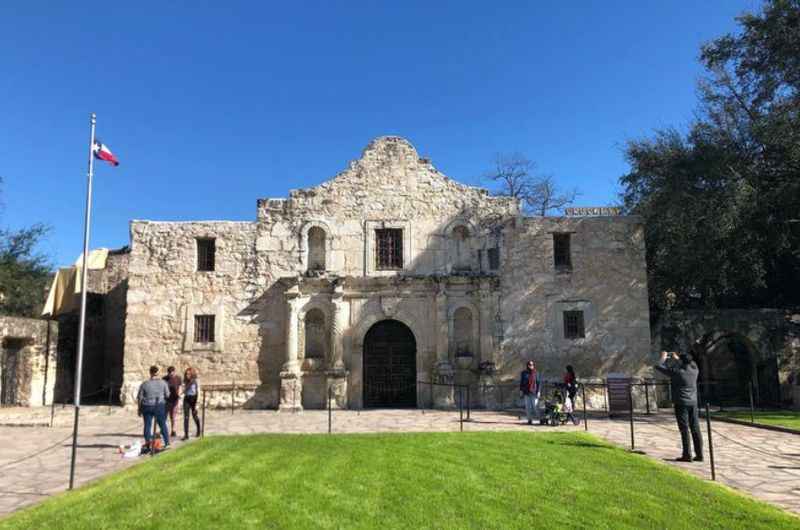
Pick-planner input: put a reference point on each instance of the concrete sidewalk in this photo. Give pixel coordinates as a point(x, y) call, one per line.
point(34, 462)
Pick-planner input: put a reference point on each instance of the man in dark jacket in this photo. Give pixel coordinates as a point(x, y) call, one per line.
point(682, 372)
point(530, 385)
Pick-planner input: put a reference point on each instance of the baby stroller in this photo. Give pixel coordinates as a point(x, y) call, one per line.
point(554, 413)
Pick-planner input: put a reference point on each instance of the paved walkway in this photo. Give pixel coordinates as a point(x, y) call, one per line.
point(34, 461)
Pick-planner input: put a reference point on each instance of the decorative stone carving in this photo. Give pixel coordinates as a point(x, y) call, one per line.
point(443, 391)
point(389, 305)
point(337, 385)
point(291, 396)
point(487, 392)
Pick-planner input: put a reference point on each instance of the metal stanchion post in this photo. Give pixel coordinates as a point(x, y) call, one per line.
point(630, 403)
point(752, 409)
point(585, 422)
point(469, 407)
point(52, 410)
point(203, 426)
point(461, 408)
point(646, 397)
point(605, 398)
point(710, 443)
point(330, 408)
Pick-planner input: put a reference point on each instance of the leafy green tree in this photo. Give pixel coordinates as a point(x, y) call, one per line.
point(722, 202)
point(24, 273)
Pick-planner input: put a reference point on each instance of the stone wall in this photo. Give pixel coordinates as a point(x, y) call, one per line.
point(35, 361)
point(607, 282)
point(165, 291)
point(264, 284)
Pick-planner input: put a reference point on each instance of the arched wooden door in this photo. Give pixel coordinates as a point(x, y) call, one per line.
point(390, 366)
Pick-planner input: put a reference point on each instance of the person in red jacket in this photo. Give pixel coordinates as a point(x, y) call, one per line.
point(173, 381)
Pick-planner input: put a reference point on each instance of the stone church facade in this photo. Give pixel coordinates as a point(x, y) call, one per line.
point(386, 277)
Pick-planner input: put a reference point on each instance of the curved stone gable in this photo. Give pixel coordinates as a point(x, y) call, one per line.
point(390, 180)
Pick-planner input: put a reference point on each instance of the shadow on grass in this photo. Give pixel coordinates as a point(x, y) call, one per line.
point(569, 441)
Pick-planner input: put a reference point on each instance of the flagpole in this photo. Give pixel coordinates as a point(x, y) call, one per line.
point(82, 324)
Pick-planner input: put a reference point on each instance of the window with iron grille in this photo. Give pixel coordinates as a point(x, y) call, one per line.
point(573, 325)
point(204, 328)
point(206, 249)
point(561, 251)
point(389, 248)
point(494, 258)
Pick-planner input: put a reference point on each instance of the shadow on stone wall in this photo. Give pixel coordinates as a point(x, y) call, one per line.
point(737, 346)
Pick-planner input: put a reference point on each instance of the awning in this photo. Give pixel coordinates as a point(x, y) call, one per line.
point(64, 295)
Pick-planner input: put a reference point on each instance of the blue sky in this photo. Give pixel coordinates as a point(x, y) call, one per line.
point(211, 105)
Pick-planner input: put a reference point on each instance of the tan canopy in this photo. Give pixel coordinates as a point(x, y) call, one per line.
point(64, 295)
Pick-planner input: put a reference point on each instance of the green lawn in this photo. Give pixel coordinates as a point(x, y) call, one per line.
point(782, 418)
point(431, 480)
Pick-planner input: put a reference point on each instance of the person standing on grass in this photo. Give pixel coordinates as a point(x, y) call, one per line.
point(530, 386)
point(682, 372)
point(152, 399)
point(173, 381)
point(191, 389)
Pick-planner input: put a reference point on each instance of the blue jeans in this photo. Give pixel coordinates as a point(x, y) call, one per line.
point(159, 413)
point(531, 406)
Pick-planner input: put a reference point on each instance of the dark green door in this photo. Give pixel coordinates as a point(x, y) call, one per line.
point(390, 366)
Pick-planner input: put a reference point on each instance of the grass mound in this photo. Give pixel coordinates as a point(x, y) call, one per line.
point(441, 480)
point(781, 418)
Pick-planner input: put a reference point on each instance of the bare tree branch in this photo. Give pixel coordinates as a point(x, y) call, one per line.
point(538, 194)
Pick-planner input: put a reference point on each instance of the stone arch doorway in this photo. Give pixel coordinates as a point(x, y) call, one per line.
point(727, 368)
point(390, 366)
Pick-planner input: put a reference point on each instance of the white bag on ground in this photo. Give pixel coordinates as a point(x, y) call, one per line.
point(132, 451)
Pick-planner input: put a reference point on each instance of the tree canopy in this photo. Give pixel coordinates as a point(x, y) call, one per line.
point(24, 272)
point(721, 202)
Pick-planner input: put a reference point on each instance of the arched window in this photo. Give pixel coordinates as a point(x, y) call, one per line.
point(316, 249)
point(462, 332)
point(315, 334)
point(462, 253)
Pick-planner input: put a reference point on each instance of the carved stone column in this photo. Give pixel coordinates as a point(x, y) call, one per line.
point(338, 324)
point(291, 396)
point(444, 374)
point(337, 374)
point(487, 389)
point(487, 322)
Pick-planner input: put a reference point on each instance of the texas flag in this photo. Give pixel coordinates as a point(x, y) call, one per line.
point(102, 152)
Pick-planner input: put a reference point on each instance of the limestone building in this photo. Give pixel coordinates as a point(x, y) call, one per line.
point(388, 276)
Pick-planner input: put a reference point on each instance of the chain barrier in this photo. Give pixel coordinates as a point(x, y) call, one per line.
point(102, 390)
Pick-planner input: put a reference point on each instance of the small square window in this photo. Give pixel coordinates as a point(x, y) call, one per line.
point(561, 252)
point(389, 249)
point(573, 325)
point(204, 328)
point(206, 253)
